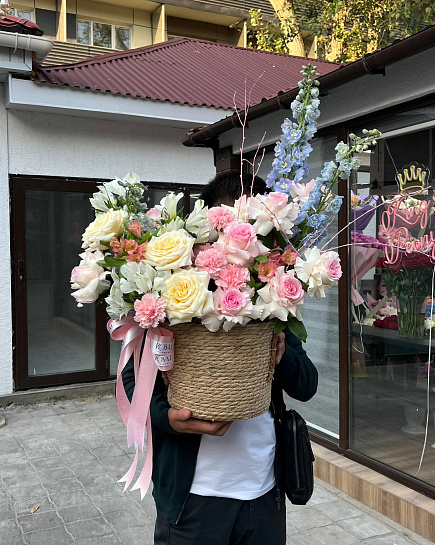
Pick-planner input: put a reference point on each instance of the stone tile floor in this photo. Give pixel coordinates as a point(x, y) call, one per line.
point(65, 458)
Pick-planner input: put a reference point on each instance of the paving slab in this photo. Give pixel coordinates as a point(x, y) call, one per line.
point(63, 460)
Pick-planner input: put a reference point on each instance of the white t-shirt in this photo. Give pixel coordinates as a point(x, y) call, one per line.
point(238, 465)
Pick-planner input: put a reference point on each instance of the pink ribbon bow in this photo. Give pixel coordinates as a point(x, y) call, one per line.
point(158, 353)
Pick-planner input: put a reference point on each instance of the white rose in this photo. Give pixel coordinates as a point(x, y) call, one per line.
point(172, 250)
point(314, 271)
point(106, 226)
point(89, 279)
point(187, 296)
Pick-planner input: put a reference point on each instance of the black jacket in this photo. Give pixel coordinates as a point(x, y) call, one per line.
point(175, 454)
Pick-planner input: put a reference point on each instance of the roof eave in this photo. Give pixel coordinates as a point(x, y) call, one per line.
point(373, 63)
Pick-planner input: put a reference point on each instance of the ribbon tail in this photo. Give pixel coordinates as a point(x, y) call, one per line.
point(144, 479)
point(128, 477)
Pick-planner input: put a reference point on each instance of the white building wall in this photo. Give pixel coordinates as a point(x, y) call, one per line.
point(5, 265)
point(57, 145)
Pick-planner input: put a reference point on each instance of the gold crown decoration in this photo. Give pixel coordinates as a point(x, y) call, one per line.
point(413, 178)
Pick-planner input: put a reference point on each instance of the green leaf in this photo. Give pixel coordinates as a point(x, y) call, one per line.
point(297, 328)
point(262, 258)
point(113, 262)
point(279, 326)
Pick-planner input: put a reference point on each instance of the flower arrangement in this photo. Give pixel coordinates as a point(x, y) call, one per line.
point(255, 260)
point(362, 209)
point(410, 281)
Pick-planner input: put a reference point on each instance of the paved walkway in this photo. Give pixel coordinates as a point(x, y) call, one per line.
point(65, 458)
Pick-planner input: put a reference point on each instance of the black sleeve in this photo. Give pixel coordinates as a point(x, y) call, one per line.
point(128, 378)
point(296, 373)
point(159, 408)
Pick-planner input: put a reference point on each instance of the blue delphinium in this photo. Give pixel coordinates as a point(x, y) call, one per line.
point(290, 165)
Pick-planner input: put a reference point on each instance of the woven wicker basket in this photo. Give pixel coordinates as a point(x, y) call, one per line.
point(222, 376)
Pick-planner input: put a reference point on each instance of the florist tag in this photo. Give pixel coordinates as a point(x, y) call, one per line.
point(163, 352)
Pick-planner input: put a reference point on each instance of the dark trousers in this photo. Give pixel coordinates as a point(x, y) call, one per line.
point(223, 521)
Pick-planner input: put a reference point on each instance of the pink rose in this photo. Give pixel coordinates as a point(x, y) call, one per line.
point(232, 301)
point(283, 295)
point(212, 261)
point(333, 269)
point(279, 199)
point(239, 243)
point(233, 276)
point(154, 214)
point(150, 311)
point(329, 268)
point(219, 217)
point(89, 278)
point(289, 288)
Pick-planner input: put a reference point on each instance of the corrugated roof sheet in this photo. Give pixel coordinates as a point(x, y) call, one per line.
point(186, 71)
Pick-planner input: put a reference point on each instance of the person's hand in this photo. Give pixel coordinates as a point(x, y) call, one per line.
point(280, 348)
point(181, 420)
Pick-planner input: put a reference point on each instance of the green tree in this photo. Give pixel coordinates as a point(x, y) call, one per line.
point(345, 30)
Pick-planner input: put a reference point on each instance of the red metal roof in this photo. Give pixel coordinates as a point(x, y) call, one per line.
point(9, 23)
point(186, 71)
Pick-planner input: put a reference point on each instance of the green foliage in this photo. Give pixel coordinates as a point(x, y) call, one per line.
point(295, 326)
point(346, 30)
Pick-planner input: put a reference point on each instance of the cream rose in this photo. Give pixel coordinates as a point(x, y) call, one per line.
point(106, 226)
point(171, 250)
point(187, 296)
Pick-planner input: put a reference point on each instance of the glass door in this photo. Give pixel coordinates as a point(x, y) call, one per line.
point(55, 341)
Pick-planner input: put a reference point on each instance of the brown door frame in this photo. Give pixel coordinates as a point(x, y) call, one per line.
point(18, 187)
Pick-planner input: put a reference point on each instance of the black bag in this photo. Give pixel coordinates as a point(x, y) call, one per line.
point(294, 457)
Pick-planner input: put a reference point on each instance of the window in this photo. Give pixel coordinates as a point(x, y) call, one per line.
point(22, 13)
point(103, 35)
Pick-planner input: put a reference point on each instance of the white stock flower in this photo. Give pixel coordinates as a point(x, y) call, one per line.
point(116, 306)
point(137, 277)
point(173, 225)
point(196, 222)
point(168, 205)
point(99, 200)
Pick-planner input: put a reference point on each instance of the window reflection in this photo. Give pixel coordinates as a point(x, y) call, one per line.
point(391, 306)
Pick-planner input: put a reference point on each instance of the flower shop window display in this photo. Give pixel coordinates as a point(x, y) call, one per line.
point(228, 277)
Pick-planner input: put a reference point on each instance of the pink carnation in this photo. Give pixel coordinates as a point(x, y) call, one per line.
point(211, 261)
point(219, 217)
point(150, 311)
point(233, 276)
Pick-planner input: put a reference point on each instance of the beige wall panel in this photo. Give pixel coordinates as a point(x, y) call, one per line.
point(106, 13)
point(46, 4)
point(71, 6)
point(142, 18)
point(25, 4)
point(141, 36)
